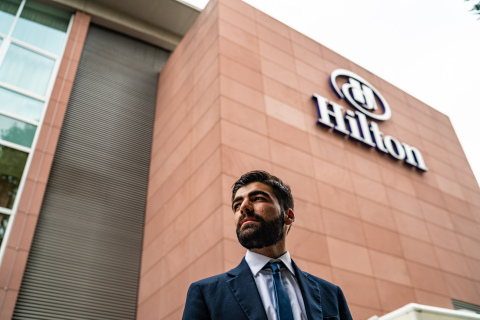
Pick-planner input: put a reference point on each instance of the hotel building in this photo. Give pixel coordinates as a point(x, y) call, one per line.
point(123, 125)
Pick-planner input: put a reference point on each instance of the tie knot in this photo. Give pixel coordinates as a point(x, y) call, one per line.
point(275, 266)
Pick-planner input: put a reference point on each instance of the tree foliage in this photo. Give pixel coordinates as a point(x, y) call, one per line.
point(476, 8)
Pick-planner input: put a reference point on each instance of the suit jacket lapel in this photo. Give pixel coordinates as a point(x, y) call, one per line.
point(245, 291)
point(311, 294)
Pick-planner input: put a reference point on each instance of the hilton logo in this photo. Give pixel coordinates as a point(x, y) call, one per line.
point(368, 102)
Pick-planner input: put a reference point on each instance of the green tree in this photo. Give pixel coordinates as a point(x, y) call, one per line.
point(475, 8)
point(12, 163)
point(20, 134)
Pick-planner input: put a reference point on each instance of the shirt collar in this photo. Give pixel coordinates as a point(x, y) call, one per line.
point(256, 261)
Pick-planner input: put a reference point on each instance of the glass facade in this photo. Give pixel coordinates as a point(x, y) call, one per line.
point(26, 69)
point(8, 10)
point(12, 164)
point(32, 38)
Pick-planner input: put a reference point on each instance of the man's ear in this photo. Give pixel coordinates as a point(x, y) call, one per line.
point(289, 217)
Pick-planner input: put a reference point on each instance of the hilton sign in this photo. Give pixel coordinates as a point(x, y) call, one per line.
point(368, 102)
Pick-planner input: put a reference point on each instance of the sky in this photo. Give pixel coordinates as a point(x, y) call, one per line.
point(429, 49)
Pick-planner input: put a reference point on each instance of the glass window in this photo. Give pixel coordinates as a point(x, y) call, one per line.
point(43, 27)
point(8, 10)
point(26, 35)
point(17, 131)
point(19, 105)
point(26, 69)
point(3, 225)
point(12, 163)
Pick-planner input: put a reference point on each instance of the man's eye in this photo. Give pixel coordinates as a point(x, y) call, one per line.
point(258, 198)
point(235, 207)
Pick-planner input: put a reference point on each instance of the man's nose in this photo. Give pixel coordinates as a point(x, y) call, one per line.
point(246, 206)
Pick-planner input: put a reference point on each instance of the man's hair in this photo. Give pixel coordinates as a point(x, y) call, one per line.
point(281, 190)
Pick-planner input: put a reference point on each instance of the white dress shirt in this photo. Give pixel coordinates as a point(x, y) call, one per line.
point(264, 282)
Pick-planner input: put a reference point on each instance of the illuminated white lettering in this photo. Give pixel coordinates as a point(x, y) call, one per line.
point(414, 157)
point(324, 114)
point(377, 136)
point(394, 147)
point(367, 137)
point(330, 115)
point(353, 125)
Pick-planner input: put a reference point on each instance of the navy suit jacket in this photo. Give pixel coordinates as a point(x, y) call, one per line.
point(234, 296)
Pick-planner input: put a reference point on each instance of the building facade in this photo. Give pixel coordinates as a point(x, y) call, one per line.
point(123, 127)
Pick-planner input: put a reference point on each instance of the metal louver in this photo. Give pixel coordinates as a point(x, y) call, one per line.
point(460, 305)
point(84, 261)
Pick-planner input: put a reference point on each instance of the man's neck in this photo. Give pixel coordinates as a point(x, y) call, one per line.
point(273, 252)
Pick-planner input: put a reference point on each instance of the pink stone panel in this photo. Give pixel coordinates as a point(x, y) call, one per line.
point(461, 288)
point(332, 174)
point(237, 163)
point(432, 299)
point(337, 199)
point(376, 213)
point(419, 251)
point(308, 245)
point(320, 270)
point(393, 296)
point(310, 216)
point(348, 256)
point(359, 312)
point(244, 75)
point(386, 233)
point(344, 227)
point(382, 239)
point(284, 132)
point(427, 279)
point(453, 262)
point(390, 268)
point(235, 17)
point(354, 287)
point(184, 225)
point(244, 116)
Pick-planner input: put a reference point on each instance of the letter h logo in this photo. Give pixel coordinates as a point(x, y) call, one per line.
point(360, 93)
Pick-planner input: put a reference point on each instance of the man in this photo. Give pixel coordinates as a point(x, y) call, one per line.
point(267, 284)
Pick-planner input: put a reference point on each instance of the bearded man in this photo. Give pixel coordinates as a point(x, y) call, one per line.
point(267, 284)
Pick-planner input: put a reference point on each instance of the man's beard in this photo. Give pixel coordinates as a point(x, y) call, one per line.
point(263, 235)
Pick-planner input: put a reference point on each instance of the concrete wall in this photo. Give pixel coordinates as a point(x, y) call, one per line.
point(236, 96)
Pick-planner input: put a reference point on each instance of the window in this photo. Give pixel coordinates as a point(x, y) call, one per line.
point(32, 40)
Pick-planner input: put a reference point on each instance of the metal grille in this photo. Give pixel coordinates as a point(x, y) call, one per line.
point(460, 305)
point(84, 261)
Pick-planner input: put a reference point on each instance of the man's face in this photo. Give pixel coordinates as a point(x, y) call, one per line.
point(258, 216)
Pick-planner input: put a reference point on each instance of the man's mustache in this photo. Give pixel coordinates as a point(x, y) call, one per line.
point(249, 215)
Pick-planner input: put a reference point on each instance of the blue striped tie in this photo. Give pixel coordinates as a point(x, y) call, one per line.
point(284, 309)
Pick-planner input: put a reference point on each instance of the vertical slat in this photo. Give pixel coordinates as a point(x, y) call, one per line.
point(85, 257)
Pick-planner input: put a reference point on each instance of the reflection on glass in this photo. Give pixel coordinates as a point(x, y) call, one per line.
point(20, 105)
point(8, 10)
point(3, 225)
point(16, 131)
point(26, 69)
point(42, 26)
point(12, 163)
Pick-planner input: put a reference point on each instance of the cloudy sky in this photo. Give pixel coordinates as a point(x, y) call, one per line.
point(429, 48)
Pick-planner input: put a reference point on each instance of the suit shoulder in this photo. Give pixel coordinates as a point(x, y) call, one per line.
point(211, 280)
point(220, 280)
point(326, 285)
point(318, 280)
